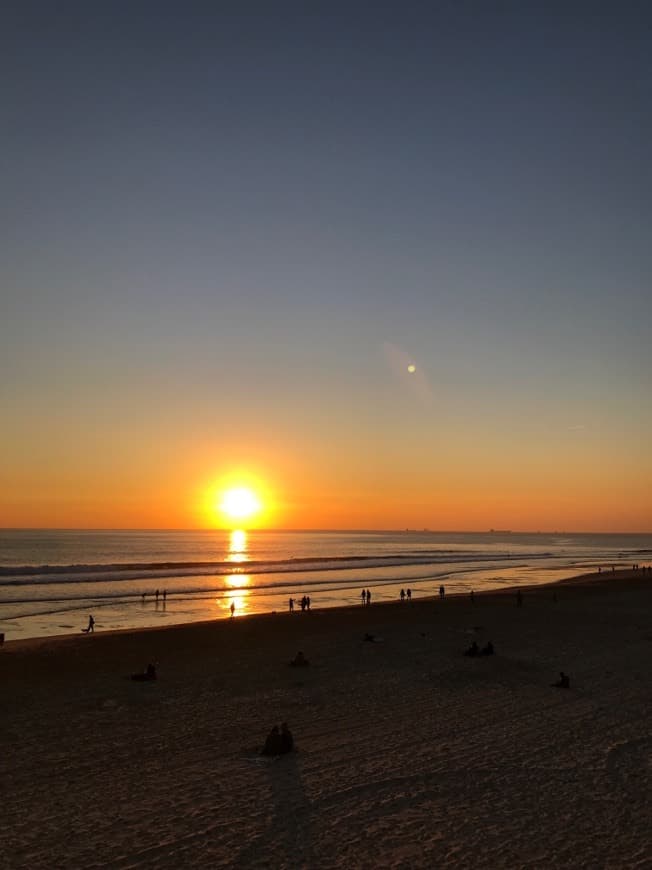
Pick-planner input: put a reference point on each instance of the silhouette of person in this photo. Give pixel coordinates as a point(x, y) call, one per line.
point(307, 602)
point(563, 682)
point(146, 676)
point(287, 740)
point(165, 595)
point(143, 597)
point(402, 594)
point(90, 627)
point(442, 592)
point(409, 595)
point(472, 597)
point(363, 596)
point(299, 661)
point(157, 594)
point(368, 597)
point(232, 609)
point(473, 650)
point(273, 742)
point(291, 604)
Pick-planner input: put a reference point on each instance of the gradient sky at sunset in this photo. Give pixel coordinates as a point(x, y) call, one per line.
point(228, 228)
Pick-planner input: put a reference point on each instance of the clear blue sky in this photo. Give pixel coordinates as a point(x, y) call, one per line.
point(215, 216)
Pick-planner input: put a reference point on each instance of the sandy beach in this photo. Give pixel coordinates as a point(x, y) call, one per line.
point(408, 753)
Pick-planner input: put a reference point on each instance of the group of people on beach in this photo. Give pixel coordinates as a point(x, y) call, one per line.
point(488, 650)
point(405, 595)
point(279, 741)
point(365, 596)
point(157, 594)
point(304, 603)
point(474, 650)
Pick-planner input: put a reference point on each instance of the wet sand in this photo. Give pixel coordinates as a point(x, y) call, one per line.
point(409, 754)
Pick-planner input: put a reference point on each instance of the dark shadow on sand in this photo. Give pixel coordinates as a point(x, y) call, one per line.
point(289, 829)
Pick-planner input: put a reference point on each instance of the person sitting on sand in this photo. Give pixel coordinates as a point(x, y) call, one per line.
point(91, 626)
point(563, 682)
point(473, 650)
point(147, 675)
point(487, 650)
point(299, 661)
point(287, 740)
point(273, 743)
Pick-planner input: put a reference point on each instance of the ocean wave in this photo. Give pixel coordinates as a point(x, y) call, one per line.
point(115, 572)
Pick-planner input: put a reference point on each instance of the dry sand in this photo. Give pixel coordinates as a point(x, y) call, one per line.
point(409, 754)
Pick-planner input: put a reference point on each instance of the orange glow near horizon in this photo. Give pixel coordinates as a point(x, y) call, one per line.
point(349, 481)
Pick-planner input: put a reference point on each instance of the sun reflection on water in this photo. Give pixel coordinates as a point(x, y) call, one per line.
point(237, 595)
point(237, 546)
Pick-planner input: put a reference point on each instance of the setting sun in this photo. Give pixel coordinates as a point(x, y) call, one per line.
point(240, 503)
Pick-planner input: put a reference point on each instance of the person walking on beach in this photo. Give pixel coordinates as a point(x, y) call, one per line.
point(363, 596)
point(402, 594)
point(232, 609)
point(91, 626)
point(409, 595)
point(291, 604)
point(442, 592)
point(156, 593)
point(368, 598)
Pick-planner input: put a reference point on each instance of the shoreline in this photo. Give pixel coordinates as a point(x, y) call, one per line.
point(576, 580)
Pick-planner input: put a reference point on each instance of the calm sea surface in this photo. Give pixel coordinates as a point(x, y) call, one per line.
point(51, 580)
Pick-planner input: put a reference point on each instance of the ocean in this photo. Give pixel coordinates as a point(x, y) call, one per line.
point(50, 581)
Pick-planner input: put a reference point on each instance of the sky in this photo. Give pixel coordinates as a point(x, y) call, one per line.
point(226, 230)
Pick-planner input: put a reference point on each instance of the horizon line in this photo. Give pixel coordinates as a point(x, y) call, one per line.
point(407, 529)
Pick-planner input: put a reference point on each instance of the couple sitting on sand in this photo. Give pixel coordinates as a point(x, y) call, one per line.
point(279, 742)
point(474, 650)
